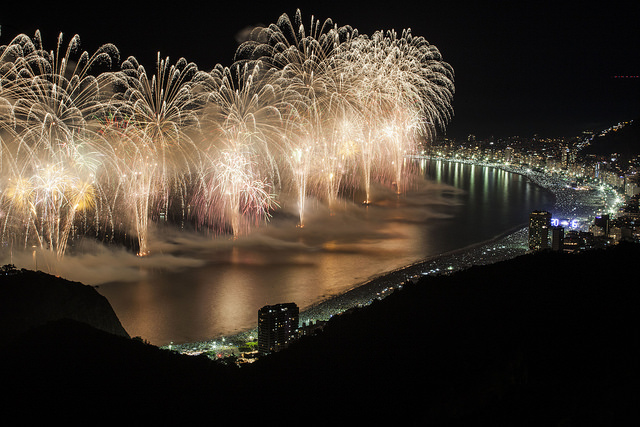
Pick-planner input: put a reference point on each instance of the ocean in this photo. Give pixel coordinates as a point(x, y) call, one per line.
point(200, 287)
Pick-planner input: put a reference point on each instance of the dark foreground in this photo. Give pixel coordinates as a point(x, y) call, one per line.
point(544, 339)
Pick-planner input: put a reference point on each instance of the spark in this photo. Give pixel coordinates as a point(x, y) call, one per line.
point(92, 146)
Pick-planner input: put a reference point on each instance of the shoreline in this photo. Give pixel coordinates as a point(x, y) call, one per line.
point(507, 245)
point(510, 243)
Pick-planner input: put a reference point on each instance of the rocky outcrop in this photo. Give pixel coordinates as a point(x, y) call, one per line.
point(29, 299)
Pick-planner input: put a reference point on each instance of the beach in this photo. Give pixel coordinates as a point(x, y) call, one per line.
point(507, 245)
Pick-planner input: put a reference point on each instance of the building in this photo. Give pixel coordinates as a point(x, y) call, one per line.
point(600, 227)
point(578, 241)
point(539, 226)
point(557, 239)
point(311, 328)
point(277, 326)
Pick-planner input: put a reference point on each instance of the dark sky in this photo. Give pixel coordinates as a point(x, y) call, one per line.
point(521, 67)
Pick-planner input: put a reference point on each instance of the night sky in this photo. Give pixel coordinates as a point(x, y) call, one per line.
point(521, 67)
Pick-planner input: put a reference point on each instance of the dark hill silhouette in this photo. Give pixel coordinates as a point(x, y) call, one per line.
point(29, 299)
point(537, 340)
point(71, 371)
point(625, 141)
point(543, 339)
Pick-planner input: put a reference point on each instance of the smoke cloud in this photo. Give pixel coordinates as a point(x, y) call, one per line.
point(349, 226)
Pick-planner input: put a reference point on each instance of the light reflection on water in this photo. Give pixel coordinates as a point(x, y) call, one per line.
point(460, 205)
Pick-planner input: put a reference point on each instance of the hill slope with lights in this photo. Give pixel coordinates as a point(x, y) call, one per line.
point(622, 140)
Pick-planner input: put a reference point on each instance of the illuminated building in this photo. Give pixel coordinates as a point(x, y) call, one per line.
point(508, 154)
point(277, 325)
point(312, 327)
point(539, 226)
point(601, 226)
point(578, 241)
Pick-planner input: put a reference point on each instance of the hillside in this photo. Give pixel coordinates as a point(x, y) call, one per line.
point(625, 142)
point(29, 299)
point(544, 339)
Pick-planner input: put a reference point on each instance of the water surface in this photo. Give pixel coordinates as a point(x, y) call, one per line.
point(221, 292)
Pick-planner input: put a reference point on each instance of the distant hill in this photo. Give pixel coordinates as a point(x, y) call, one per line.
point(542, 339)
point(625, 141)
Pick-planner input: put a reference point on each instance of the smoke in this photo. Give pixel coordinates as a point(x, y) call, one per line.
point(346, 227)
point(97, 263)
point(244, 34)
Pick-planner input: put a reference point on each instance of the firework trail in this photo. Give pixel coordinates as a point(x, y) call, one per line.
point(50, 152)
point(92, 146)
point(240, 149)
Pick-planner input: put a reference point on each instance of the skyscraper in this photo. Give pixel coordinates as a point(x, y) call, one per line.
point(539, 225)
point(277, 325)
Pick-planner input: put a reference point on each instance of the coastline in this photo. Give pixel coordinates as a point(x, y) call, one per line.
point(506, 245)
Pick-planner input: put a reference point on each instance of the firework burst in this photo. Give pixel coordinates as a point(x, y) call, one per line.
point(91, 145)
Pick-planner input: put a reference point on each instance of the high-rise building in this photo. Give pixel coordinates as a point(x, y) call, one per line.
point(557, 239)
point(277, 325)
point(601, 225)
point(539, 225)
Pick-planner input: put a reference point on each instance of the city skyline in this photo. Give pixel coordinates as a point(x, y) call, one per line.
point(548, 68)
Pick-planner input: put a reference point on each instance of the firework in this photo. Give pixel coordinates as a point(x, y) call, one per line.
point(51, 152)
point(240, 147)
point(93, 146)
point(158, 152)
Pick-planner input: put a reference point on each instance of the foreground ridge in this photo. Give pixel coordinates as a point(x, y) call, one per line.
point(544, 338)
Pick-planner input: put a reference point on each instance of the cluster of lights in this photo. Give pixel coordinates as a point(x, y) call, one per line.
point(566, 223)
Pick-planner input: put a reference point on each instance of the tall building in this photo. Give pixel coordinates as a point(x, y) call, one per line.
point(277, 325)
point(539, 226)
point(557, 239)
point(601, 226)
